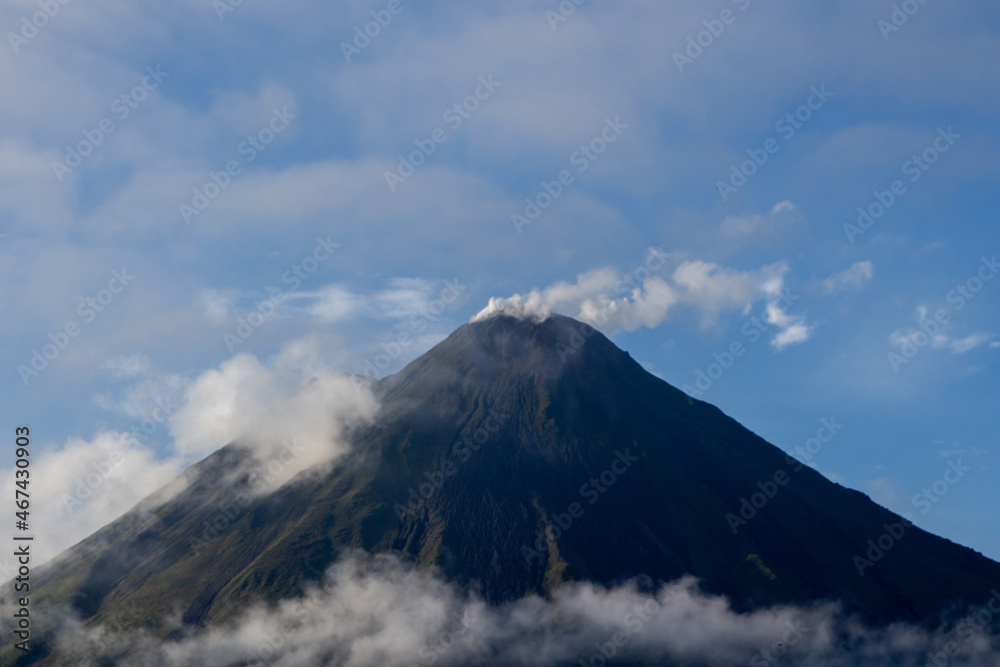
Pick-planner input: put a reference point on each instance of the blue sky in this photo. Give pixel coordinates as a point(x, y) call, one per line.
point(236, 163)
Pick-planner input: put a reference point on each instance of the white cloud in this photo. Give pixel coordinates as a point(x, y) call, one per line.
point(402, 298)
point(795, 333)
point(379, 611)
point(958, 450)
point(148, 395)
point(712, 289)
point(783, 215)
point(217, 305)
point(853, 278)
point(707, 288)
point(917, 338)
point(84, 485)
point(605, 299)
point(593, 298)
point(962, 345)
point(793, 328)
point(130, 365)
point(333, 303)
point(292, 400)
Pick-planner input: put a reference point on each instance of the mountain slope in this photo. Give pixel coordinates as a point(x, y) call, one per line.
point(516, 456)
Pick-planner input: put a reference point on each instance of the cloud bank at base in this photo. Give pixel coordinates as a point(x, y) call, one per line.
point(375, 610)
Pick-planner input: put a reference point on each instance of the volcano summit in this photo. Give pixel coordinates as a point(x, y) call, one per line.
point(517, 458)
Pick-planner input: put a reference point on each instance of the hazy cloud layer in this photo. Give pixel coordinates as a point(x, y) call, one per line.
point(377, 611)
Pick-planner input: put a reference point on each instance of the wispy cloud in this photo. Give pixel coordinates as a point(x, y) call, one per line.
point(778, 219)
point(400, 299)
point(854, 278)
point(915, 338)
point(962, 345)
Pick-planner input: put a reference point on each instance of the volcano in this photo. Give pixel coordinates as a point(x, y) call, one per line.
point(516, 456)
